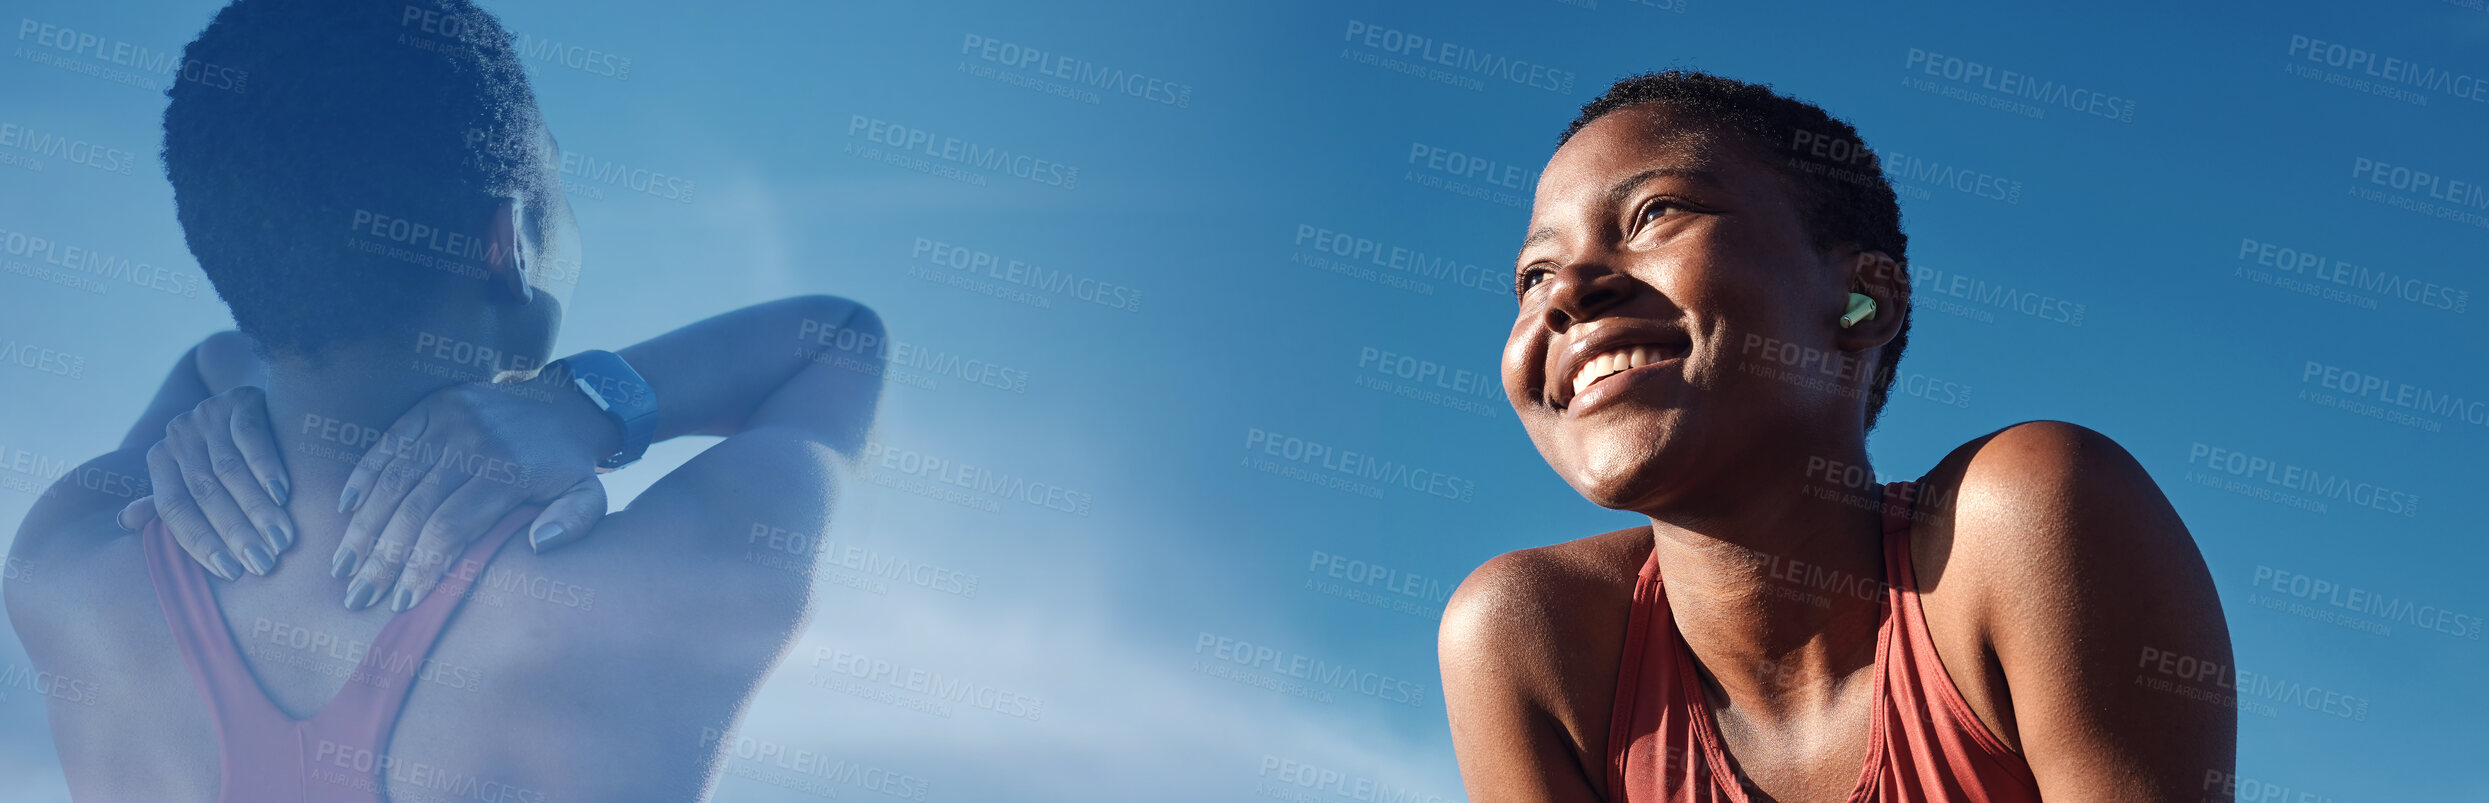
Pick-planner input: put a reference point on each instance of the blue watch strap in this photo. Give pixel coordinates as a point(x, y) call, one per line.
point(625, 397)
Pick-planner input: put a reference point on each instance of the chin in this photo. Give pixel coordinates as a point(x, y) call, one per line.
point(1622, 476)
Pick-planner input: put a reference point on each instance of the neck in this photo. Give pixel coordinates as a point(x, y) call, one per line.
point(1780, 596)
point(325, 414)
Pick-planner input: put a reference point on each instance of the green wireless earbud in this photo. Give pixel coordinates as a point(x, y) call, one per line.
point(1860, 308)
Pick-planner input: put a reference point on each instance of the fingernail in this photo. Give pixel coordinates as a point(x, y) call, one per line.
point(281, 491)
point(345, 501)
point(404, 599)
point(541, 536)
point(257, 560)
point(344, 565)
point(222, 564)
point(278, 538)
point(356, 592)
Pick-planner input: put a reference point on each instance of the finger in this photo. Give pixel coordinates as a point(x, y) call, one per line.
point(568, 516)
point(246, 489)
point(182, 518)
point(400, 438)
point(459, 520)
point(398, 548)
point(389, 485)
point(135, 514)
point(216, 505)
point(252, 436)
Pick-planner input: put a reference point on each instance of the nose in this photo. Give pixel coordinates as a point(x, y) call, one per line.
point(1582, 291)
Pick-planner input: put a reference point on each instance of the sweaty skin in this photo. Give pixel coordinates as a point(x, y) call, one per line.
point(604, 671)
point(2048, 560)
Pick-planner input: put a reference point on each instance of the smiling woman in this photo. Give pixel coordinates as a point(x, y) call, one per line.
point(1713, 292)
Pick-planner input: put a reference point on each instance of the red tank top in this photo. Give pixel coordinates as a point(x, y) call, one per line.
point(340, 754)
point(1925, 744)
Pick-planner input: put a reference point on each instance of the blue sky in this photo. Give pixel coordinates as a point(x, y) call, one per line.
point(2090, 195)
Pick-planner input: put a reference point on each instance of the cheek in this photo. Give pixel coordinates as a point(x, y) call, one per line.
point(1519, 369)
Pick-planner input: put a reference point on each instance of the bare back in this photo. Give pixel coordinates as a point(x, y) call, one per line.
point(603, 671)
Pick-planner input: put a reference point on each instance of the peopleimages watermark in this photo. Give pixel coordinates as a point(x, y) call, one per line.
point(149, 69)
point(2227, 681)
point(2313, 483)
point(326, 653)
point(1458, 173)
point(1446, 62)
point(884, 460)
point(965, 261)
point(61, 263)
point(2420, 192)
point(2361, 387)
point(1231, 653)
point(1840, 373)
point(531, 50)
point(31, 145)
point(1375, 584)
point(1478, 393)
point(2339, 597)
point(52, 469)
point(2390, 70)
point(832, 344)
point(348, 765)
point(2310, 273)
point(1937, 289)
point(1965, 74)
point(43, 359)
point(2243, 789)
point(354, 440)
point(766, 544)
point(1399, 259)
point(1357, 466)
point(1315, 778)
point(907, 143)
point(53, 685)
point(764, 753)
point(1083, 74)
point(932, 686)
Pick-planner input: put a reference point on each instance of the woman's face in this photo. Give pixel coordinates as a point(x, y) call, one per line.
point(1666, 273)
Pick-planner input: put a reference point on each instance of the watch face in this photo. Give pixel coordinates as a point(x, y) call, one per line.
point(625, 397)
point(613, 383)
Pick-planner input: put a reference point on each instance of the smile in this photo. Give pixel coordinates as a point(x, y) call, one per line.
point(1611, 363)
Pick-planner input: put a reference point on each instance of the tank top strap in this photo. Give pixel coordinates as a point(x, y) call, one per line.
point(200, 634)
point(366, 709)
point(1931, 723)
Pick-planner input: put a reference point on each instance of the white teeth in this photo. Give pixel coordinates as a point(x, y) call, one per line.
point(1596, 368)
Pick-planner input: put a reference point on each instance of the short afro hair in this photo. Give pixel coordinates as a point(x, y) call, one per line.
point(1843, 197)
point(417, 110)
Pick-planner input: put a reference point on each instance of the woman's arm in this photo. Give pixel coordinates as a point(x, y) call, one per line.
point(1507, 635)
point(2101, 613)
point(221, 362)
point(806, 370)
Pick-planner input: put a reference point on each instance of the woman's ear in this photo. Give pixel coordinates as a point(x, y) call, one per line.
point(505, 257)
point(1878, 276)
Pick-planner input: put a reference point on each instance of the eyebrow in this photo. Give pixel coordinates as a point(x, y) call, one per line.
point(1624, 189)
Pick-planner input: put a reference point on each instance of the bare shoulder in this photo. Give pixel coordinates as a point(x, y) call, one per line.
point(2041, 494)
point(2053, 570)
point(1538, 597)
point(61, 521)
point(1530, 648)
point(66, 538)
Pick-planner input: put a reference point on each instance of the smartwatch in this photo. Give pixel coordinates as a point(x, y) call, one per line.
point(624, 397)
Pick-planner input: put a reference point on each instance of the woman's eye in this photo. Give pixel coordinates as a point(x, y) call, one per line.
point(1655, 209)
point(1528, 278)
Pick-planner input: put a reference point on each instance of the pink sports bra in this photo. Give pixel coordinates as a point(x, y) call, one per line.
point(1925, 744)
point(340, 754)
